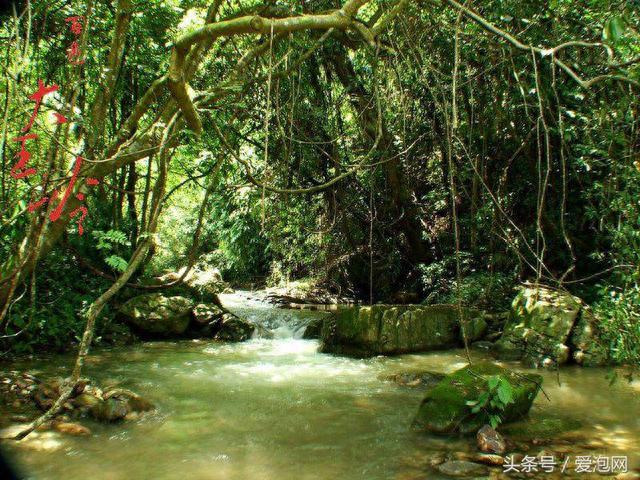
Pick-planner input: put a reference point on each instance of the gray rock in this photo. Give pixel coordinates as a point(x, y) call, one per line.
point(156, 315)
point(392, 329)
point(234, 329)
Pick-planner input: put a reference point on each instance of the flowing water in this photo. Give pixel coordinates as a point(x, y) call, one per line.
point(276, 409)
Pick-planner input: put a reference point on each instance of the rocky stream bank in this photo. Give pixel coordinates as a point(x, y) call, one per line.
point(544, 328)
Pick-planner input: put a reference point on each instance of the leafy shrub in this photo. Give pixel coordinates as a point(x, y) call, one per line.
point(619, 311)
point(486, 290)
point(494, 400)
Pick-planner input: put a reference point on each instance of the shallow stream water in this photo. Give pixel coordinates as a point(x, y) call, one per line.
point(276, 409)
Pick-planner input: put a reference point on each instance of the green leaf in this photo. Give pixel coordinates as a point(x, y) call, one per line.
point(505, 392)
point(494, 420)
point(117, 237)
point(613, 29)
point(119, 264)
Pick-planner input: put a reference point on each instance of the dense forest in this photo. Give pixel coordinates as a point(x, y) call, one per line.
point(382, 152)
point(422, 150)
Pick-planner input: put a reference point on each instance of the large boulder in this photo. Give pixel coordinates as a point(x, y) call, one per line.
point(207, 319)
point(539, 326)
point(313, 329)
point(447, 408)
point(474, 329)
point(157, 315)
point(392, 329)
point(205, 314)
point(207, 280)
point(202, 283)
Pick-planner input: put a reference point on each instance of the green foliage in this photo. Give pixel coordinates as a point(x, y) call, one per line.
point(479, 289)
point(613, 29)
point(63, 292)
point(109, 243)
point(117, 263)
point(356, 234)
point(494, 400)
point(619, 312)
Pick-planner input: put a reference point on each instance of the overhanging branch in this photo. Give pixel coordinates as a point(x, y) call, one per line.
point(340, 19)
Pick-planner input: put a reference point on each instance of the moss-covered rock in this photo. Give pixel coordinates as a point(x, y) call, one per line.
point(585, 341)
point(445, 408)
point(313, 329)
point(234, 329)
point(134, 402)
point(206, 313)
point(110, 410)
point(392, 329)
point(539, 326)
point(85, 401)
point(474, 329)
point(157, 315)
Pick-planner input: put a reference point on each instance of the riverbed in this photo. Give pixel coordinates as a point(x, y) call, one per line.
point(276, 409)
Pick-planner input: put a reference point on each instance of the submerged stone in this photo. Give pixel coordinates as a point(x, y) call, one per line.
point(461, 468)
point(416, 379)
point(445, 408)
point(392, 329)
point(110, 410)
point(71, 428)
point(490, 441)
point(543, 427)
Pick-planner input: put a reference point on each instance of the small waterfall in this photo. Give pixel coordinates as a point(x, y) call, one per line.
point(272, 322)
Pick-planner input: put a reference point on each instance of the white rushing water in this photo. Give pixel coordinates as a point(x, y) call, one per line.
point(275, 322)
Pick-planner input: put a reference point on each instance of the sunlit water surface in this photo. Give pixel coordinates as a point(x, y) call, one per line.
point(276, 409)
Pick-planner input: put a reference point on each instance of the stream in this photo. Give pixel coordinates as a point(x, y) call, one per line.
point(276, 409)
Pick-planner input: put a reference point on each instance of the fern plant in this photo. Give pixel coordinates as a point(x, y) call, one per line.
point(109, 243)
